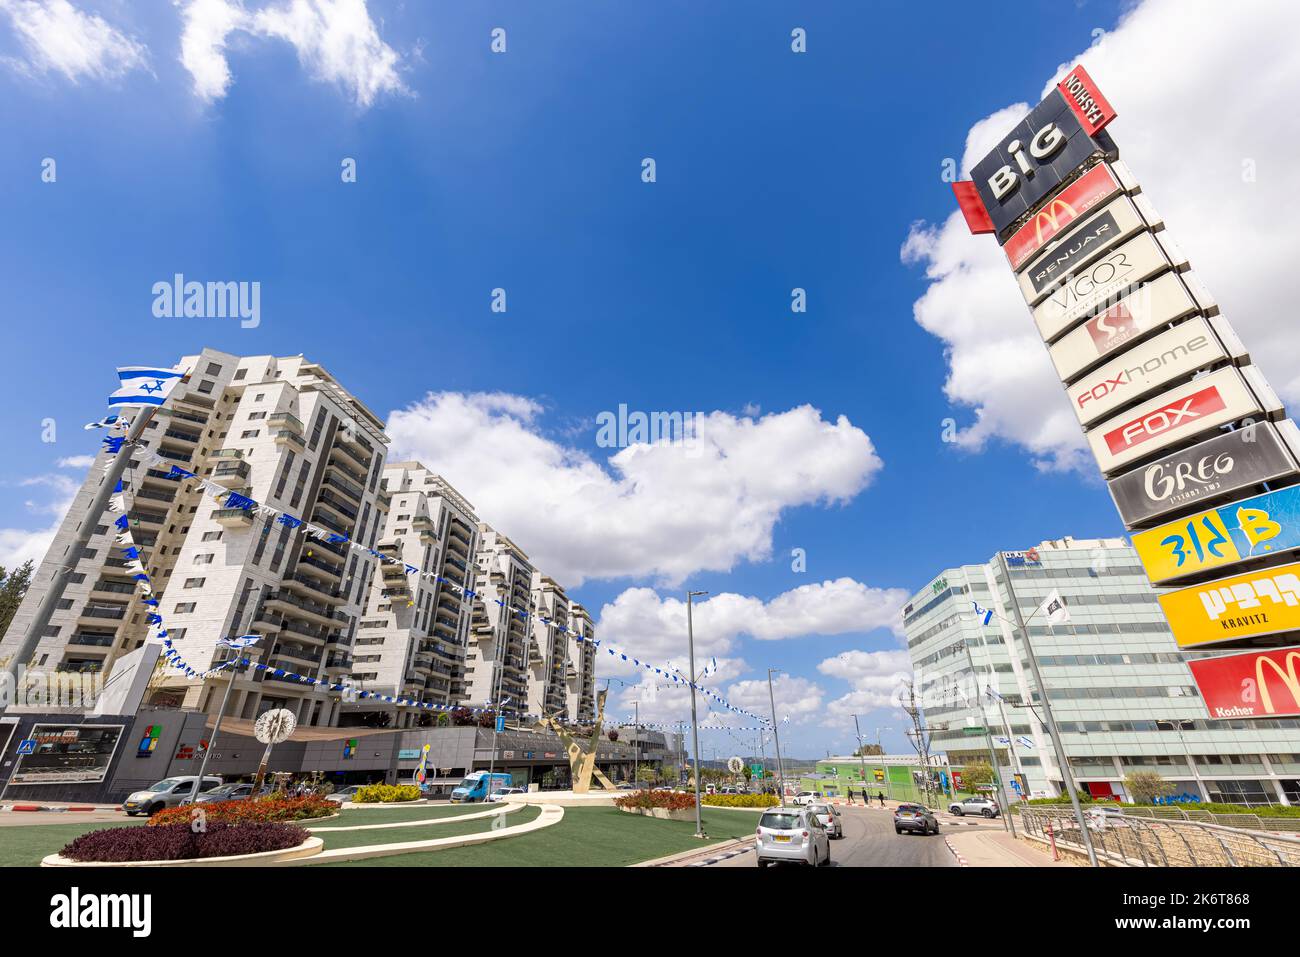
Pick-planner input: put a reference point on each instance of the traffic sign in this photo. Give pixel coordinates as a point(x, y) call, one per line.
point(756, 770)
point(501, 723)
point(27, 746)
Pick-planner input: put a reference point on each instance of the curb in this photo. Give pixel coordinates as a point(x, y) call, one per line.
point(672, 859)
point(961, 861)
point(55, 808)
point(736, 852)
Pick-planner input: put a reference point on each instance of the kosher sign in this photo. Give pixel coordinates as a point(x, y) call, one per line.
point(1257, 684)
point(1258, 603)
point(1264, 525)
point(1141, 313)
point(1034, 159)
point(1212, 469)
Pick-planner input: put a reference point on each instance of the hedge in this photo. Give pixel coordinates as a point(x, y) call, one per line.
point(740, 800)
point(646, 798)
point(175, 842)
point(1267, 810)
point(252, 811)
point(386, 794)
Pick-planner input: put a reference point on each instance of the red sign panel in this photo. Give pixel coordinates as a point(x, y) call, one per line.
point(972, 207)
point(1159, 421)
point(1086, 101)
point(1256, 684)
point(1060, 213)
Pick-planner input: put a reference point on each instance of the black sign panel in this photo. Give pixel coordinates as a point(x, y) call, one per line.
point(1208, 470)
point(1044, 175)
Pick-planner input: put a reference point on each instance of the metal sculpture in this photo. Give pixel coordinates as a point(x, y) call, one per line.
point(582, 760)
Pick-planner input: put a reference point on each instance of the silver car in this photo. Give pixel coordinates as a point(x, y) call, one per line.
point(792, 834)
point(983, 806)
point(169, 792)
point(226, 792)
point(829, 816)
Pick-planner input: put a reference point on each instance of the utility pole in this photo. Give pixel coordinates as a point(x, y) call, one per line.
point(920, 741)
point(636, 740)
point(776, 737)
point(1067, 776)
point(988, 742)
point(57, 582)
point(862, 758)
point(695, 730)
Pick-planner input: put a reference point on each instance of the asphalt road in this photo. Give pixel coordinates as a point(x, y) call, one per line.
point(869, 841)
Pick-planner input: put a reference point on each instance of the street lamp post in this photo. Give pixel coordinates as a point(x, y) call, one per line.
point(884, 765)
point(1067, 776)
point(695, 730)
point(776, 737)
point(988, 742)
point(216, 726)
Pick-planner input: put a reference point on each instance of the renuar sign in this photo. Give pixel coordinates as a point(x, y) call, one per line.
point(1082, 244)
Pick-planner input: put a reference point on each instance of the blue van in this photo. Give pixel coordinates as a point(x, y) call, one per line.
point(478, 785)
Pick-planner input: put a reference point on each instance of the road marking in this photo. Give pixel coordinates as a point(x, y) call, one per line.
point(961, 861)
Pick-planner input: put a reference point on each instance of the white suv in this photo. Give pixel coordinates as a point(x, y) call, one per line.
point(792, 834)
point(983, 806)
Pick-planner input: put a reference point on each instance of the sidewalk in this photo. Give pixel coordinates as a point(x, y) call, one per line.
point(985, 847)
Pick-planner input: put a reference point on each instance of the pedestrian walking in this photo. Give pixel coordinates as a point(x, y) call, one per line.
point(881, 795)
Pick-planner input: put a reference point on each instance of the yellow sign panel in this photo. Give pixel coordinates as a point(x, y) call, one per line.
point(1263, 602)
point(1267, 524)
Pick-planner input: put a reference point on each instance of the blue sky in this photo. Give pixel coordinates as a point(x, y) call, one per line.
point(522, 170)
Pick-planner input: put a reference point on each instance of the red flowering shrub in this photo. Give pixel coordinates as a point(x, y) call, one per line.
point(174, 842)
point(254, 810)
point(645, 798)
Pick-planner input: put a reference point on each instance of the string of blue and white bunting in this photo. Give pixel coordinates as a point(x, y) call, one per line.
point(149, 386)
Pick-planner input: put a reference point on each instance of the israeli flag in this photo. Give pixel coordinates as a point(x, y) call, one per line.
point(243, 641)
point(143, 385)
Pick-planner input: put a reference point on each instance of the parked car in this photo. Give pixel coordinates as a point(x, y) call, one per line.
point(916, 818)
point(792, 834)
point(980, 804)
point(806, 797)
point(829, 816)
point(226, 792)
point(500, 794)
point(344, 795)
point(168, 792)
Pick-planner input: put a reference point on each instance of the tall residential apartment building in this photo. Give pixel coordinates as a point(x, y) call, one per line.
point(499, 639)
point(527, 658)
point(412, 640)
point(1119, 687)
point(283, 432)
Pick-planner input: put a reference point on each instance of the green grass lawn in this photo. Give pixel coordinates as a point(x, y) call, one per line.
point(587, 837)
point(23, 845)
point(419, 812)
point(420, 830)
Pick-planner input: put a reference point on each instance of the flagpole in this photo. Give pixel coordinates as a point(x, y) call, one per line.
point(59, 580)
point(1062, 762)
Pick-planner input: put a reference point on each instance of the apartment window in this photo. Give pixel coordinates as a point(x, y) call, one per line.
point(254, 416)
point(76, 578)
point(213, 369)
point(259, 397)
point(250, 434)
point(212, 536)
point(204, 558)
point(176, 634)
point(240, 373)
point(194, 582)
point(206, 386)
point(184, 607)
point(51, 631)
point(65, 603)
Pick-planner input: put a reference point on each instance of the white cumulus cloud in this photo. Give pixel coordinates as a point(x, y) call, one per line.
point(1203, 93)
point(57, 37)
point(336, 41)
point(664, 509)
point(874, 677)
point(17, 545)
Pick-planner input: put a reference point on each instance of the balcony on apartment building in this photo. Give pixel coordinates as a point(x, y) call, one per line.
point(327, 571)
point(343, 485)
point(339, 662)
point(103, 610)
point(84, 638)
point(314, 589)
point(106, 586)
point(295, 606)
point(181, 436)
point(144, 516)
point(349, 455)
point(233, 518)
point(232, 474)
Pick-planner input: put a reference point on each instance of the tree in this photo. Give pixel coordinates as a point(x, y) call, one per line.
point(1145, 786)
point(972, 775)
point(867, 750)
point(13, 586)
